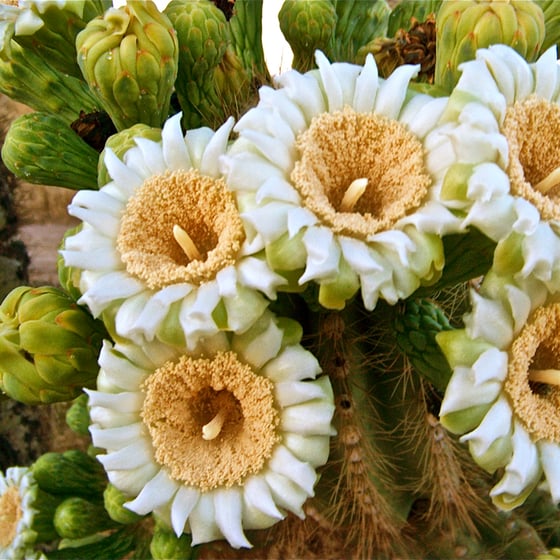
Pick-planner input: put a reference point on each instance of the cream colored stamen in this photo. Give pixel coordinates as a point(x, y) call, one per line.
point(186, 243)
point(214, 427)
point(353, 193)
point(548, 376)
point(551, 181)
point(10, 514)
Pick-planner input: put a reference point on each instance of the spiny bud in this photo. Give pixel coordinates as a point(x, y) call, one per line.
point(48, 346)
point(129, 59)
point(308, 25)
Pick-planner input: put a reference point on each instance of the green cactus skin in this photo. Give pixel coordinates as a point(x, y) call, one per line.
point(48, 346)
point(551, 12)
point(415, 329)
point(464, 26)
point(26, 78)
point(41, 148)
point(72, 473)
point(55, 41)
point(307, 25)
point(114, 546)
point(129, 59)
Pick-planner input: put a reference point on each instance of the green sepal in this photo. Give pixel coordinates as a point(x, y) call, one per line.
point(165, 544)
point(113, 500)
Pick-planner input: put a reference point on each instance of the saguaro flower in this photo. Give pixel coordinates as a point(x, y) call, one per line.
point(161, 248)
point(338, 175)
point(504, 396)
point(17, 493)
point(221, 440)
point(525, 98)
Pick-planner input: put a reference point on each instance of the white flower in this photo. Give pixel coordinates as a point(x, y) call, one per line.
point(339, 175)
point(17, 494)
point(218, 441)
point(161, 247)
point(504, 394)
point(525, 99)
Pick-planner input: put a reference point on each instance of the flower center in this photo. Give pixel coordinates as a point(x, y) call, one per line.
point(532, 128)
point(533, 380)
point(10, 514)
point(180, 227)
point(213, 422)
point(360, 172)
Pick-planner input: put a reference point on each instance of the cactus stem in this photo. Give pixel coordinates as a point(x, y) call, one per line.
point(214, 427)
point(353, 193)
point(186, 243)
point(551, 181)
point(548, 376)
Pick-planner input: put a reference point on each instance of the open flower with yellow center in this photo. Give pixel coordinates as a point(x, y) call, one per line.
point(504, 394)
point(338, 175)
point(161, 250)
point(525, 98)
point(17, 494)
point(217, 441)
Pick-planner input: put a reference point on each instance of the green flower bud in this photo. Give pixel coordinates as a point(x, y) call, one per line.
point(76, 518)
point(48, 346)
point(42, 148)
point(403, 14)
point(77, 416)
point(114, 501)
point(27, 78)
point(307, 25)
point(49, 29)
point(129, 59)
point(121, 142)
point(416, 327)
point(165, 544)
point(463, 26)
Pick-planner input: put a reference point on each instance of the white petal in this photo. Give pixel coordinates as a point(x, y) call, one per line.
point(282, 107)
point(202, 521)
point(331, 83)
point(271, 148)
point(490, 321)
point(284, 462)
point(288, 393)
point(323, 254)
point(108, 288)
point(367, 84)
point(262, 347)
point(184, 502)
point(114, 438)
point(258, 496)
point(157, 492)
point(174, 149)
point(123, 402)
point(294, 363)
point(422, 113)
point(522, 473)
point(309, 419)
point(277, 188)
point(311, 449)
point(286, 494)
point(549, 452)
point(131, 481)
point(392, 91)
point(127, 180)
point(248, 171)
point(358, 255)
point(152, 155)
point(304, 90)
point(255, 273)
point(495, 429)
point(196, 140)
point(546, 73)
point(209, 162)
point(228, 506)
point(131, 456)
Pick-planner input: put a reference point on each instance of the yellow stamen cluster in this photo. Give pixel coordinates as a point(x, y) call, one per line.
point(533, 378)
point(180, 227)
point(532, 128)
point(10, 514)
point(212, 422)
point(360, 172)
